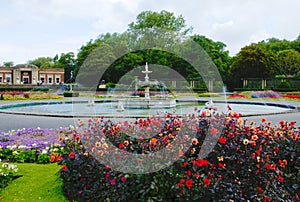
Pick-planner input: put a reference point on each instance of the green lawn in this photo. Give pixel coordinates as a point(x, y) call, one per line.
point(38, 183)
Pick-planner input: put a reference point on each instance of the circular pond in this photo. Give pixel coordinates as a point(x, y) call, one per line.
point(110, 108)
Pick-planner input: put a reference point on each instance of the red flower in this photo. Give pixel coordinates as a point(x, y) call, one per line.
point(123, 179)
point(263, 120)
point(188, 173)
point(222, 140)
point(184, 164)
point(202, 162)
point(72, 155)
point(267, 199)
point(189, 183)
point(121, 146)
point(64, 168)
point(206, 181)
point(58, 158)
point(260, 190)
point(276, 150)
point(221, 165)
point(280, 179)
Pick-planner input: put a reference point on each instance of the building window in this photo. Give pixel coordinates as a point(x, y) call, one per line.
point(8, 78)
point(42, 78)
point(1, 78)
point(57, 79)
point(50, 78)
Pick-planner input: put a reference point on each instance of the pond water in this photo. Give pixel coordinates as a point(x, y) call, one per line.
point(69, 108)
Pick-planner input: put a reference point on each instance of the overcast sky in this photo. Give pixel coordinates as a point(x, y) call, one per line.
point(42, 28)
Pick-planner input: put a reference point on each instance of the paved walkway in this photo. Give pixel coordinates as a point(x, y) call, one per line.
point(13, 121)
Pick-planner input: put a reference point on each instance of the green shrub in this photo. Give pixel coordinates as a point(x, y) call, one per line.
point(284, 84)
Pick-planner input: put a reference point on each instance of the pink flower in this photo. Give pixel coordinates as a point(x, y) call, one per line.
point(113, 181)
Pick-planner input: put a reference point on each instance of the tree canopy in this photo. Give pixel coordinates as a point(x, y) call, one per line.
point(152, 34)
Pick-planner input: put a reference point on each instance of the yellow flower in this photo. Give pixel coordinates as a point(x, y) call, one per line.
point(104, 146)
point(97, 144)
point(245, 141)
point(220, 158)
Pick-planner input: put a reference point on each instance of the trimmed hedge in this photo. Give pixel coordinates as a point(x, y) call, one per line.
point(71, 94)
point(23, 88)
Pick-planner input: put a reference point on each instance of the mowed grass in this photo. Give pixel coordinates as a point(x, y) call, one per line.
point(38, 183)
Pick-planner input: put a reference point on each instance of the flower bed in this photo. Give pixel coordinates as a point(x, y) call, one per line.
point(7, 174)
point(249, 162)
point(21, 95)
point(31, 145)
point(255, 162)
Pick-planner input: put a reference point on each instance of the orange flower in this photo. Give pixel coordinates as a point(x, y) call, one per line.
point(72, 155)
point(254, 137)
point(52, 158)
point(64, 168)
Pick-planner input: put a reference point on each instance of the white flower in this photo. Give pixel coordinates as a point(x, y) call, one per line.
point(22, 147)
point(5, 165)
point(13, 147)
point(44, 151)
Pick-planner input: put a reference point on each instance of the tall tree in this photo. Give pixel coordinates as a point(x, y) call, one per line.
point(44, 62)
point(66, 61)
point(288, 63)
point(275, 45)
point(8, 64)
point(253, 61)
point(157, 29)
point(216, 51)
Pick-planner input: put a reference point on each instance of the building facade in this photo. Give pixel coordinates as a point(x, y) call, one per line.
point(27, 74)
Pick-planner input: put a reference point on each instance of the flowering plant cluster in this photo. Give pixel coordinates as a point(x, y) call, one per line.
point(255, 162)
point(21, 95)
point(7, 174)
point(265, 94)
point(31, 145)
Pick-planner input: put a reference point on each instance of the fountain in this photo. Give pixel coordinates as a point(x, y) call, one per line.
point(146, 102)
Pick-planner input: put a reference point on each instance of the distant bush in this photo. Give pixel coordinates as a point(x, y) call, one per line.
point(284, 84)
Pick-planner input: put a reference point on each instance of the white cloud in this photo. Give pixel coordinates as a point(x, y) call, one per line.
point(34, 27)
